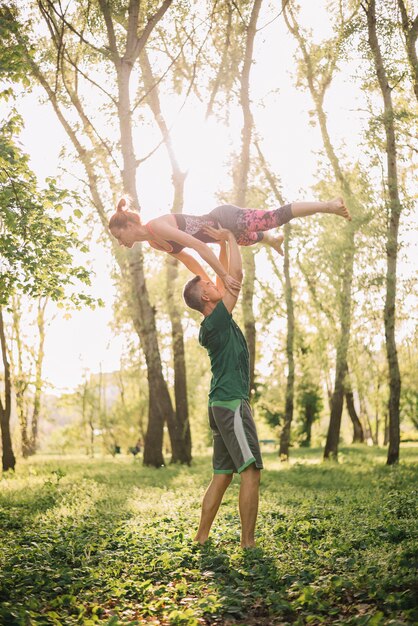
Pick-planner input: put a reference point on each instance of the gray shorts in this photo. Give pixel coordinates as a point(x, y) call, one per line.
point(235, 441)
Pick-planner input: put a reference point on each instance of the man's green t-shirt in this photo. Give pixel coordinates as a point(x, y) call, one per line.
point(228, 353)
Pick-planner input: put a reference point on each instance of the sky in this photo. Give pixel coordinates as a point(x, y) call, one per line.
point(86, 341)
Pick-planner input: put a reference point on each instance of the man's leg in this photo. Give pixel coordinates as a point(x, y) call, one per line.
point(210, 505)
point(248, 504)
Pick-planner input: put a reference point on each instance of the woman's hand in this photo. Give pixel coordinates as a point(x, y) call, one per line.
point(220, 234)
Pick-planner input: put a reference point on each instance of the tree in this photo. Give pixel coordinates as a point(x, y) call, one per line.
point(290, 315)
point(394, 207)
point(310, 405)
point(179, 426)
point(109, 42)
point(317, 67)
point(241, 183)
point(36, 248)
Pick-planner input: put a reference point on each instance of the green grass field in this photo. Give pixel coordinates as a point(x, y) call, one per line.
point(107, 541)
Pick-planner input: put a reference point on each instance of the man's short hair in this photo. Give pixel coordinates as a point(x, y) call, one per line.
point(192, 294)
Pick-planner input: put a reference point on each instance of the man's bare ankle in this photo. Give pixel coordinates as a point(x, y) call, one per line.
point(200, 540)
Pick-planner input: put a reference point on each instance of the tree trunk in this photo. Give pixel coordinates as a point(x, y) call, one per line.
point(285, 434)
point(19, 377)
point(410, 29)
point(308, 424)
point(160, 407)
point(242, 188)
point(290, 384)
point(180, 436)
point(337, 400)
point(392, 238)
point(386, 433)
point(33, 443)
point(317, 87)
point(178, 426)
point(358, 434)
point(8, 458)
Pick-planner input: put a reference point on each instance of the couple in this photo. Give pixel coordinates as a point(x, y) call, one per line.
point(235, 442)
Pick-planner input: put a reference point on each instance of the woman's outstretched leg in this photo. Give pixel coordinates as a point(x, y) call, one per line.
point(335, 207)
point(255, 222)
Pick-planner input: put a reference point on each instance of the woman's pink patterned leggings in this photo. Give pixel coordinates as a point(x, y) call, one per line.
point(248, 224)
point(252, 222)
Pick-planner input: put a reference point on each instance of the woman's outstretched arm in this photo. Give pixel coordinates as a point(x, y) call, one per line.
point(167, 232)
point(191, 263)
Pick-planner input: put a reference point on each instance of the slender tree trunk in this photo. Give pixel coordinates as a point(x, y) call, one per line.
point(386, 433)
point(285, 434)
point(160, 407)
point(367, 420)
point(179, 426)
point(242, 188)
point(410, 29)
point(392, 238)
point(358, 434)
point(308, 422)
point(8, 458)
point(337, 400)
point(33, 443)
point(19, 377)
point(290, 384)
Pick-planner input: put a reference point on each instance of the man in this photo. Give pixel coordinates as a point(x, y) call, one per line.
point(235, 442)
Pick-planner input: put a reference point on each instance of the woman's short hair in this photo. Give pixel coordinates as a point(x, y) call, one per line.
point(192, 294)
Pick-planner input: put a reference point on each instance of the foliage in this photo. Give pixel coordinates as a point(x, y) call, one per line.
point(110, 542)
point(37, 245)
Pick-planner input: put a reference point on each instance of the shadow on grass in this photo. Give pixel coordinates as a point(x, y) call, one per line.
point(247, 584)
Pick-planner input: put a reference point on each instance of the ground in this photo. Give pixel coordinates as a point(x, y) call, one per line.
point(106, 541)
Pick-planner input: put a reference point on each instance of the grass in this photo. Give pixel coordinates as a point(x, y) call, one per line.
point(108, 541)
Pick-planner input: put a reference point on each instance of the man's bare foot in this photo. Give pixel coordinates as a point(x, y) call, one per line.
point(337, 207)
point(275, 242)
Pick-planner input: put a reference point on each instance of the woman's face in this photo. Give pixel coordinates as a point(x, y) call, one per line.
point(125, 236)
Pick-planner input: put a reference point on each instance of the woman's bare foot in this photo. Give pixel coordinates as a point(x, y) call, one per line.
point(275, 242)
point(337, 207)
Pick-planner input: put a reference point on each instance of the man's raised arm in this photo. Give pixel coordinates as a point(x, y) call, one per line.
point(235, 270)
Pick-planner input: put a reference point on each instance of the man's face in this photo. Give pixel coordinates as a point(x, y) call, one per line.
point(125, 236)
point(210, 291)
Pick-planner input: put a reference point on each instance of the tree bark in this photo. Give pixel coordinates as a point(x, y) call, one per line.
point(392, 237)
point(33, 443)
point(20, 379)
point(8, 457)
point(309, 419)
point(242, 188)
point(358, 434)
point(290, 384)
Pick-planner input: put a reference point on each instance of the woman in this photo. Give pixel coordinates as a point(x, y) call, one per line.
point(173, 232)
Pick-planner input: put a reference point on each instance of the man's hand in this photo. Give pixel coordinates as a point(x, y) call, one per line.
point(231, 284)
point(220, 234)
